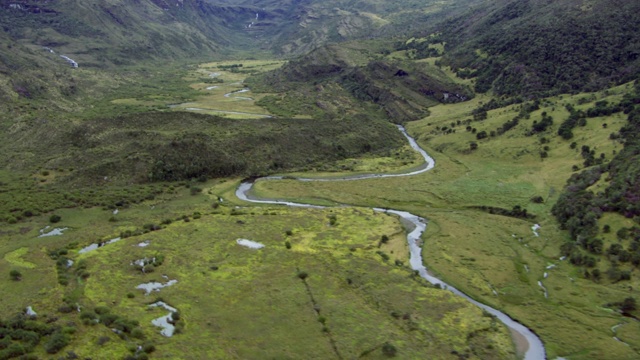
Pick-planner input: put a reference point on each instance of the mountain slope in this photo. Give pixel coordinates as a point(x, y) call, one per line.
point(540, 47)
point(336, 79)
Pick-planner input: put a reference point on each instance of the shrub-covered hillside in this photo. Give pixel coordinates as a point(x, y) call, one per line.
point(536, 47)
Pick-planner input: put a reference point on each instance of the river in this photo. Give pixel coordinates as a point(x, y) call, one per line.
point(526, 341)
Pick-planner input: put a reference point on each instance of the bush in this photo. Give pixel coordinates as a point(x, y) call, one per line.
point(15, 275)
point(103, 340)
point(100, 310)
point(57, 342)
point(303, 275)
point(628, 305)
point(537, 199)
point(137, 333)
point(54, 218)
point(148, 348)
point(389, 350)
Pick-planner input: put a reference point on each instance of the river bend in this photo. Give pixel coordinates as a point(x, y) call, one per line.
point(534, 350)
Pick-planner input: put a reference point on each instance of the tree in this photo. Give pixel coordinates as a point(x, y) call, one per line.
point(15, 275)
point(628, 304)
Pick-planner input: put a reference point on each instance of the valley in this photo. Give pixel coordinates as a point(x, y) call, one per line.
point(227, 180)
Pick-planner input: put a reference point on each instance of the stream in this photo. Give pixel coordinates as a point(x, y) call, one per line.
point(533, 349)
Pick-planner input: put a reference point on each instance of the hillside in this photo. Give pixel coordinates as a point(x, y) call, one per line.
point(350, 75)
point(538, 47)
point(127, 126)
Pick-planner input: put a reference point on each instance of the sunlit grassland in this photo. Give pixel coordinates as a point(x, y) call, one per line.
point(239, 302)
point(214, 81)
point(487, 255)
point(398, 161)
point(248, 306)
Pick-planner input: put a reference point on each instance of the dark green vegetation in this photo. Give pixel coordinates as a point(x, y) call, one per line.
point(356, 77)
point(476, 76)
point(578, 209)
point(173, 146)
point(533, 47)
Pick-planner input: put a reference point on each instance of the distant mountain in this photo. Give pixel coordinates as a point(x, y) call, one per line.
point(527, 48)
point(513, 47)
point(111, 32)
point(114, 32)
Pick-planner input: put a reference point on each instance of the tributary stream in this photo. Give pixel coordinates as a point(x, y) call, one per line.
point(526, 341)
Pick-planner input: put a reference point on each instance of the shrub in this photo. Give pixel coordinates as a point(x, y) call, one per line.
point(628, 305)
point(537, 199)
point(389, 350)
point(101, 310)
point(137, 333)
point(303, 275)
point(15, 275)
point(54, 218)
point(384, 256)
point(148, 348)
point(57, 342)
point(65, 309)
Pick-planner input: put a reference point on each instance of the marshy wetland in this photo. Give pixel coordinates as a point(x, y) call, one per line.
point(186, 269)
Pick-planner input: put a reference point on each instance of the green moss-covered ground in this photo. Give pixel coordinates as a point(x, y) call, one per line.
point(495, 258)
point(358, 294)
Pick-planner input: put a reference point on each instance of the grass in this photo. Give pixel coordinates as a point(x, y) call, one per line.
point(225, 80)
point(479, 252)
point(238, 302)
point(254, 298)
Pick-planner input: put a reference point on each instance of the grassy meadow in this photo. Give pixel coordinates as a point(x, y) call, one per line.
point(498, 259)
point(325, 273)
point(356, 299)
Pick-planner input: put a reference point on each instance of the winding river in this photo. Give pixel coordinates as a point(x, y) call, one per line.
point(528, 342)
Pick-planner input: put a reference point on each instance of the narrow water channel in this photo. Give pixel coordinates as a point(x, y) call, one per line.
point(527, 341)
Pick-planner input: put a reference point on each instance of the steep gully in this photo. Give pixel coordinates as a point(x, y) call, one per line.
point(527, 341)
